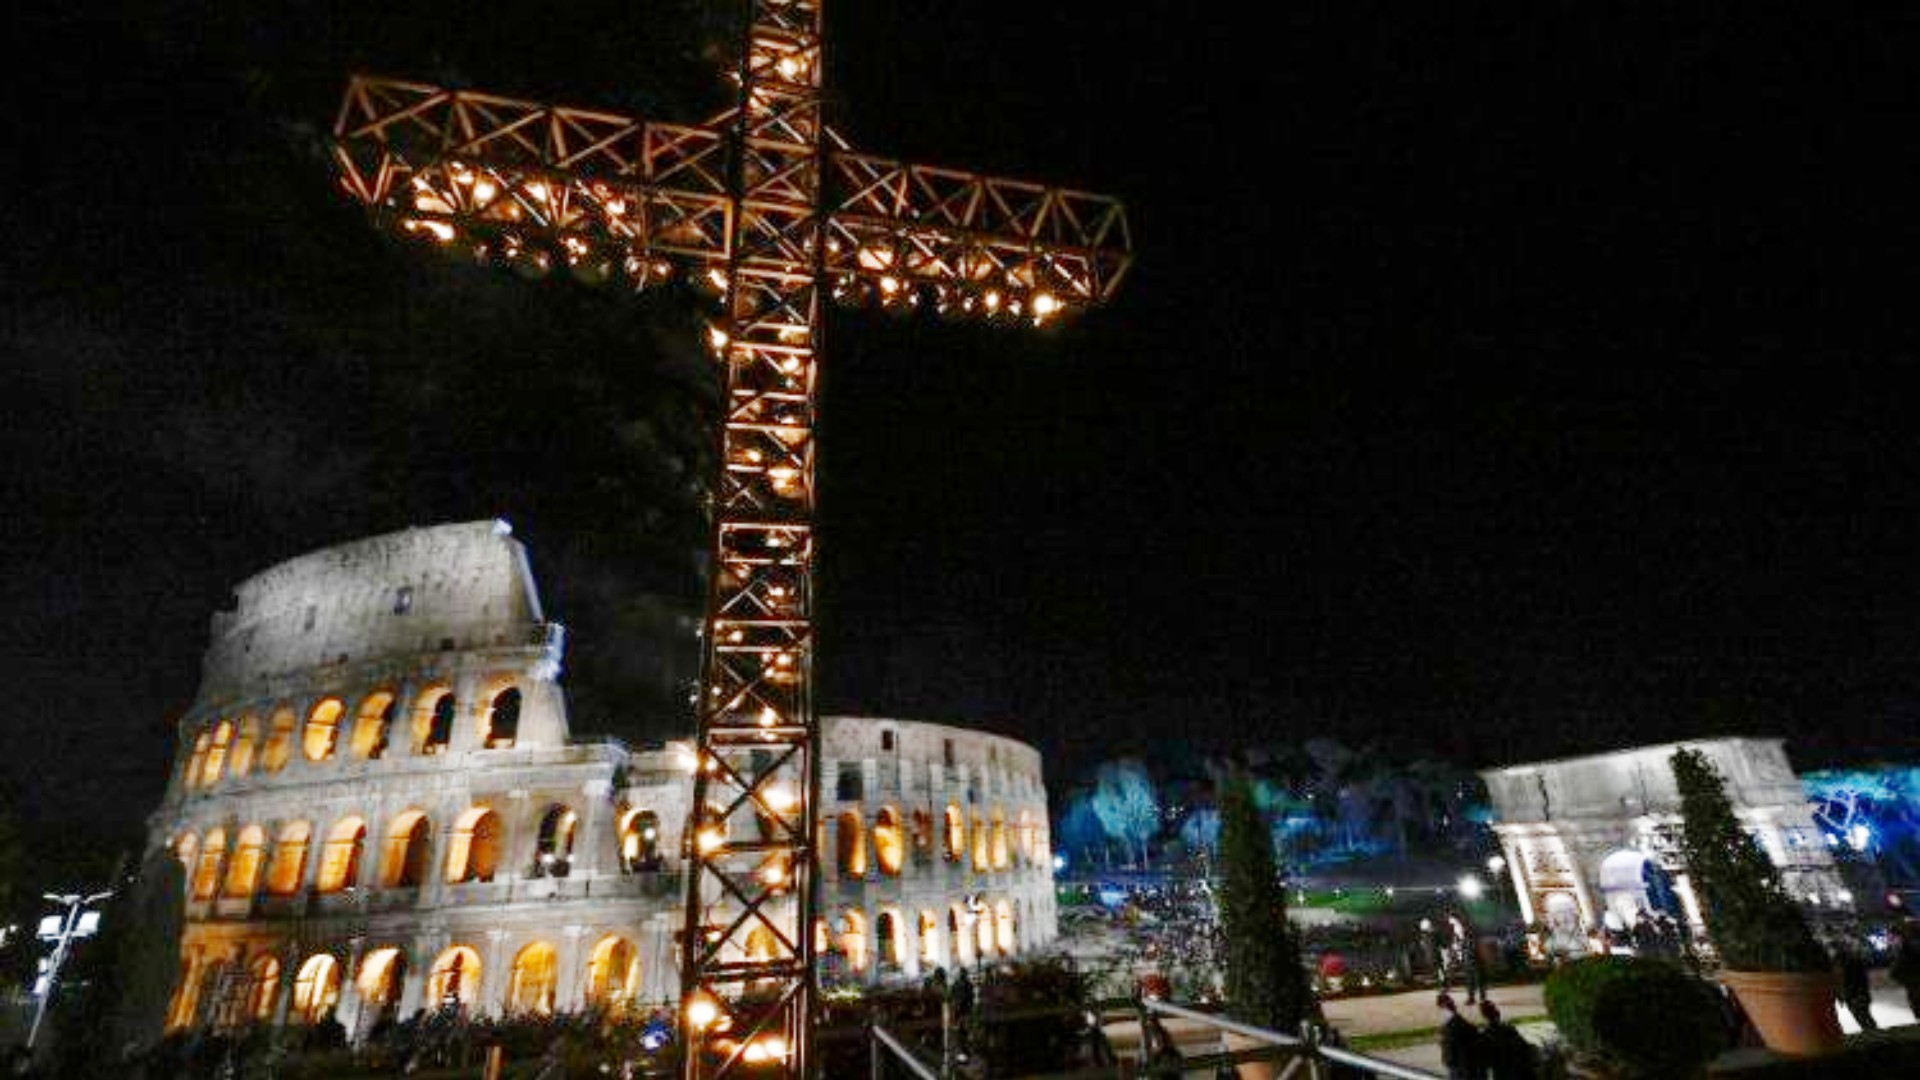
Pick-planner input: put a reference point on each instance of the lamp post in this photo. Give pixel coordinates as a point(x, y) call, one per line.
point(77, 922)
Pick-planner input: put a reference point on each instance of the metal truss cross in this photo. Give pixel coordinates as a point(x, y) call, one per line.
point(772, 211)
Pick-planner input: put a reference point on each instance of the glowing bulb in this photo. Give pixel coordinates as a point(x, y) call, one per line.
point(716, 337)
point(889, 285)
point(781, 799)
point(789, 67)
point(773, 874)
point(538, 190)
point(768, 717)
point(484, 190)
point(1045, 304)
point(710, 839)
point(701, 1012)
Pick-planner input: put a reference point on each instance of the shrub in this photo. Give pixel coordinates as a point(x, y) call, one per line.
point(1644, 1018)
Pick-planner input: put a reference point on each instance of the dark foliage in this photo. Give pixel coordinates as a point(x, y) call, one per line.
point(1642, 1017)
point(1266, 982)
point(1753, 923)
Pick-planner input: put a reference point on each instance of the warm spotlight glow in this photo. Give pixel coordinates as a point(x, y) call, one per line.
point(701, 1012)
point(710, 839)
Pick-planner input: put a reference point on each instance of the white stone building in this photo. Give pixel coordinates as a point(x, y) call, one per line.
point(1595, 839)
point(380, 807)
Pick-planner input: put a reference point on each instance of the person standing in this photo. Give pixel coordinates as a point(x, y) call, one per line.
point(1507, 1053)
point(1461, 1049)
point(1854, 991)
point(1906, 965)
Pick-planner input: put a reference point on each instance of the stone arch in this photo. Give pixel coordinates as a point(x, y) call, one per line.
point(321, 735)
point(553, 845)
point(850, 845)
point(197, 761)
point(383, 974)
point(531, 984)
point(433, 714)
point(243, 870)
point(206, 875)
point(217, 749)
point(373, 726)
point(500, 721)
point(998, 851)
point(956, 834)
point(278, 749)
point(929, 939)
point(1005, 929)
point(922, 837)
point(958, 932)
point(246, 744)
point(887, 939)
point(853, 938)
point(473, 850)
point(263, 988)
point(316, 990)
point(288, 869)
point(409, 851)
point(981, 841)
point(340, 858)
point(889, 841)
point(639, 841)
point(613, 973)
point(454, 978)
point(983, 932)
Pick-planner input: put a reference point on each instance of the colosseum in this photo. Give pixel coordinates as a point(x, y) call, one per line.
point(380, 808)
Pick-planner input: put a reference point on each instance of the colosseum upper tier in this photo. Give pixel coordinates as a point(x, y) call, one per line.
point(380, 808)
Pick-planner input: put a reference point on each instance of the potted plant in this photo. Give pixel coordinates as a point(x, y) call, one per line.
point(1634, 1017)
point(1770, 958)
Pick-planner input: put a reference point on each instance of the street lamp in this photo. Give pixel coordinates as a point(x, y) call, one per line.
point(78, 922)
point(1496, 864)
point(1471, 887)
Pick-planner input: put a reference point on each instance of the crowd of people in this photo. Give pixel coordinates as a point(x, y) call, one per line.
point(1492, 1050)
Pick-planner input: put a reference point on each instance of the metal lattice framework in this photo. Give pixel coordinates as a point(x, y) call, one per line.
point(766, 207)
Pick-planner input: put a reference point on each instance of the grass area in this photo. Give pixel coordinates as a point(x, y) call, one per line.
point(1394, 1040)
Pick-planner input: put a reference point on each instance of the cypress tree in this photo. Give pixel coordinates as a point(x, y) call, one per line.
point(1266, 984)
point(1752, 921)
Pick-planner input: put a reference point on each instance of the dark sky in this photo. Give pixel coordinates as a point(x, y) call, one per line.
point(1493, 384)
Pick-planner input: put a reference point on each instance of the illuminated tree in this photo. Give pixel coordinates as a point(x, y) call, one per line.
point(1125, 802)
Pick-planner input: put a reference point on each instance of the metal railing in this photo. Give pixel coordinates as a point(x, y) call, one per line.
point(886, 1047)
point(1318, 1052)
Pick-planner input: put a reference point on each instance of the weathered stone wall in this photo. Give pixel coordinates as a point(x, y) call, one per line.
point(333, 718)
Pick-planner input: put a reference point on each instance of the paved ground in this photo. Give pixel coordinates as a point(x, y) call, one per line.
point(1414, 1010)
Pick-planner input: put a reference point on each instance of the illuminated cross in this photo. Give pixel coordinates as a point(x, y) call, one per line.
point(768, 208)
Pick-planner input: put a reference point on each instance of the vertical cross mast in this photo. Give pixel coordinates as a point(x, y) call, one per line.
point(747, 951)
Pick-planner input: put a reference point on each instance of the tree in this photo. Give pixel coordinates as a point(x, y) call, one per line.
point(114, 993)
point(1266, 984)
point(1124, 800)
point(1081, 832)
point(1752, 921)
point(1201, 831)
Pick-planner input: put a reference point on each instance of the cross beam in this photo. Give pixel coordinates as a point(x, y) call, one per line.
point(771, 211)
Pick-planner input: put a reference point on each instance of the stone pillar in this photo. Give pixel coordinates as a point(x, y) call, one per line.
point(570, 972)
point(491, 1000)
point(588, 844)
point(1517, 871)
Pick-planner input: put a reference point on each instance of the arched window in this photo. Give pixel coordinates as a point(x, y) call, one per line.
point(206, 876)
point(553, 850)
point(639, 842)
point(382, 973)
point(197, 763)
point(922, 838)
point(980, 840)
point(886, 936)
point(956, 830)
point(613, 973)
point(852, 845)
point(889, 841)
point(531, 987)
point(762, 946)
point(929, 940)
point(279, 746)
point(454, 978)
point(370, 730)
point(502, 724)
point(1004, 929)
point(1025, 837)
point(409, 846)
point(323, 730)
point(263, 988)
point(983, 929)
point(853, 939)
point(473, 850)
point(999, 852)
point(217, 753)
point(959, 926)
point(289, 867)
point(243, 871)
point(433, 721)
point(317, 988)
point(184, 849)
point(340, 861)
point(246, 742)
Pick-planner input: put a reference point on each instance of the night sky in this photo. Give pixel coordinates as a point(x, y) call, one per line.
point(1492, 384)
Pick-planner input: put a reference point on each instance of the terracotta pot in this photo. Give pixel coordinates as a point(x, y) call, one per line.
point(1793, 1012)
